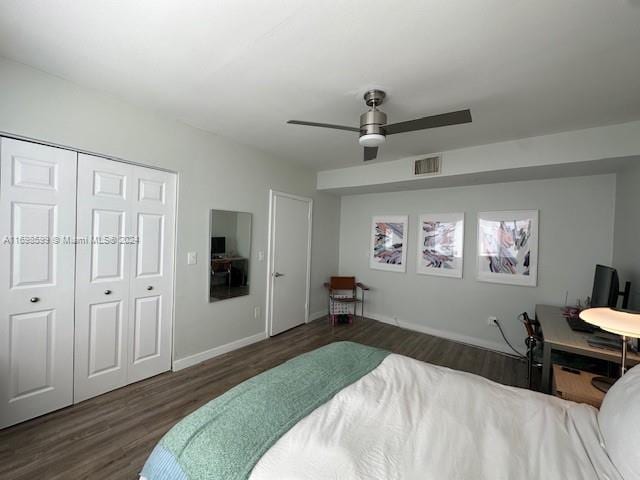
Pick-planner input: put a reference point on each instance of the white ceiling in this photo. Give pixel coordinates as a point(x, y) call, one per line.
point(242, 68)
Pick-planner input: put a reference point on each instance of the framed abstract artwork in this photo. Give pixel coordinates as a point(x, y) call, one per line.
point(441, 244)
point(389, 243)
point(508, 247)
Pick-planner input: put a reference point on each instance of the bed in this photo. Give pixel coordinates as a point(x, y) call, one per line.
point(348, 411)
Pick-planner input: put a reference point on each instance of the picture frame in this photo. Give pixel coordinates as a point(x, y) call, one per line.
point(388, 247)
point(507, 247)
point(440, 246)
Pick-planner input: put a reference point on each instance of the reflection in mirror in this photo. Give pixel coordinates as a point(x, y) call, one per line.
point(230, 241)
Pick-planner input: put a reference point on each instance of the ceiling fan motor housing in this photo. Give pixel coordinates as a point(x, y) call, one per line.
point(372, 122)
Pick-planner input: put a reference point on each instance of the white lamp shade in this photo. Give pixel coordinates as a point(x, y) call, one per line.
point(371, 140)
point(614, 321)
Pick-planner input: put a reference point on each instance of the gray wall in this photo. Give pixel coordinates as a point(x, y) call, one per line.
point(213, 173)
point(225, 224)
point(626, 254)
point(243, 234)
point(575, 233)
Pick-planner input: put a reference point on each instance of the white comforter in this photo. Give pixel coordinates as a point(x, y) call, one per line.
point(411, 420)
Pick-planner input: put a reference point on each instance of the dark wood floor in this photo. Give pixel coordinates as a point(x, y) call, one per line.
point(110, 436)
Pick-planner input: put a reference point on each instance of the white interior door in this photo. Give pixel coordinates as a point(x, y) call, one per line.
point(151, 306)
point(37, 215)
point(105, 194)
point(289, 261)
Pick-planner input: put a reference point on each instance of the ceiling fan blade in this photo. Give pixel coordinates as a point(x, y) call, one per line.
point(323, 125)
point(370, 153)
point(434, 121)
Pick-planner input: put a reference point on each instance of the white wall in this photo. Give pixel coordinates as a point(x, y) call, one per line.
point(213, 173)
point(576, 232)
point(626, 255)
point(548, 155)
point(225, 224)
point(243, 235)
point(324, 248)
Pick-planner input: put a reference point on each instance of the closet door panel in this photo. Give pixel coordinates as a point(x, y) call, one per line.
point(105, 338)
point(31, 348)
point(103, 275)
point(147, 329)
point(150, 332)
point(33, 264)
point(37, 225)
point(151, 233)
point(107, 258)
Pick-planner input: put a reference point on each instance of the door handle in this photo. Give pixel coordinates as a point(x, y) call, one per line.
point(107, 292)
point(34, 299)
point(150, 287)
point(278, 274)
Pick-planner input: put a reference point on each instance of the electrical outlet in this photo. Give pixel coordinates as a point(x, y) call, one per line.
point(492, 321)
point(256, 313)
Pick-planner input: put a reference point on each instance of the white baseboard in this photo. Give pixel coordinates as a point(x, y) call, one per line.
point(317, 315)
point(456, 337)
point(191, 360)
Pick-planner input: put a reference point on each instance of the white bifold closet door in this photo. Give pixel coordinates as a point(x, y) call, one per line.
point(103, 275)
point(37, 227)
point(124, 286)
point(151, 295)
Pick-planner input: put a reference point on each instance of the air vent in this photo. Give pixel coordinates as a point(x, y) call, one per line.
point(427, 166)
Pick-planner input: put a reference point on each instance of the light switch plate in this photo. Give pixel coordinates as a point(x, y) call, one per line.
point(260, 256)
point(192, 258)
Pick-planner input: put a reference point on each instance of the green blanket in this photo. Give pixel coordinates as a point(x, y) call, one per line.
point(225, 438)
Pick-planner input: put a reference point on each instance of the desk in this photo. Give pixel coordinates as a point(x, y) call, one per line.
point(228, 259)
point(558, 336)
point(244, 261)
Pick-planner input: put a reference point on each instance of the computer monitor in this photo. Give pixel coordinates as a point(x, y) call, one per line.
point(606, 288)
point(218, 245)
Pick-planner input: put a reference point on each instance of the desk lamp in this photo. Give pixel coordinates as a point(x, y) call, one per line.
point(621, 322)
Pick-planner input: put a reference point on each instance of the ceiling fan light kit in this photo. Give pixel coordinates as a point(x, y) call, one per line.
point(374, 127)
point(371, 140)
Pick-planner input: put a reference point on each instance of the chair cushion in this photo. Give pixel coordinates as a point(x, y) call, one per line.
point(345, 300)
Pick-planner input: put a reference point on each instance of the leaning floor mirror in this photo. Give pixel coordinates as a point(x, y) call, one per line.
point(230, 251)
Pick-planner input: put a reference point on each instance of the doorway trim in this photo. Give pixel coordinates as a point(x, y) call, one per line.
point(270, 252)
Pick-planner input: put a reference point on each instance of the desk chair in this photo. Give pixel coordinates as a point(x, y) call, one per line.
point(532, 342)
point(343, 291)
point(224, 267)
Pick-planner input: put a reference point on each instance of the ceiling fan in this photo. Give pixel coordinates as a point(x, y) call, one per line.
point(374, 127)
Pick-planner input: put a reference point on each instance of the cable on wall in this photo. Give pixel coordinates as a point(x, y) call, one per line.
point(521, 355)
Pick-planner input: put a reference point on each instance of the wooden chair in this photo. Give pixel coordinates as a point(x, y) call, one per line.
point(221, 266)
point(344, 290)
